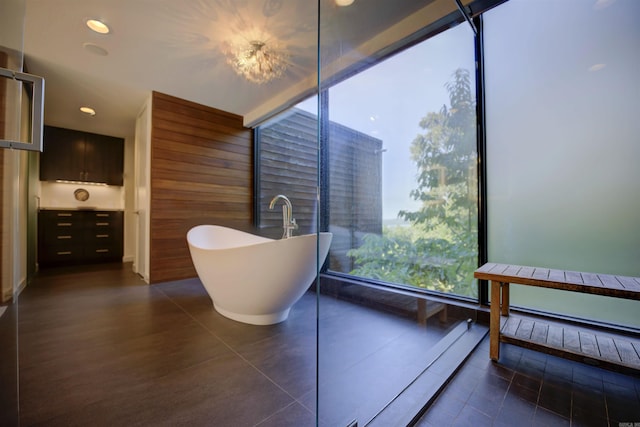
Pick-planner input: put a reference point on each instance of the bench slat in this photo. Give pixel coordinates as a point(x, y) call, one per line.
point(636, 347)
point(554, 336)
point(610, 281)
point(486, 268)
point(629, 283)
point(573, 277)
point(541, 273)
point(627, 353)
point(571, 340)
point(511, 270)
point(607, 349)
point(588, 344)
point(591, 279)
point(539, 333)
point(525, 329)
point(556, 275)
point(526, 272)
point(511, 326)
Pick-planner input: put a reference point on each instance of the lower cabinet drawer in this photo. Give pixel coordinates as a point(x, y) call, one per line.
point(61, 254)
point(98, 252)
point(57, 237)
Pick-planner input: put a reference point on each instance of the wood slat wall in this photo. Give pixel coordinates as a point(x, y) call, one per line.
point(288, 165)
point(355, 192)
point(201, 173)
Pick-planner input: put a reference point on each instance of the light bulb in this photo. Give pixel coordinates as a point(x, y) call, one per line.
point(98, 26)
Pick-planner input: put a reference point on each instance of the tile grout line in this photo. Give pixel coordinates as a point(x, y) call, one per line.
point(234, 351)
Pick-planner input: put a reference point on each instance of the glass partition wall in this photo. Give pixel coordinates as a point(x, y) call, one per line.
point(385, 159)
point(562, 146)
point(398, 150)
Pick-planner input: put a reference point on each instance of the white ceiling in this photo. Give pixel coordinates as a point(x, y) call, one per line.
point(176, 47)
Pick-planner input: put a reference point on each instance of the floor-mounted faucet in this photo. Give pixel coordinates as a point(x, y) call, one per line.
point(288, 222)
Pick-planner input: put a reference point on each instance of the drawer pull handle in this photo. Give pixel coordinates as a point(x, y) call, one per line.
point(64, 253)
point(64, 237)
point(102, 223)
point(64, 224)
point(102, 215)
point(102, 236)
point(63, 214)
point(102, 250)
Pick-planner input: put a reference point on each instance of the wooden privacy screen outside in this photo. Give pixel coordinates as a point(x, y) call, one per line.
point(289, 166)
point(201, 173)
point(355, 192)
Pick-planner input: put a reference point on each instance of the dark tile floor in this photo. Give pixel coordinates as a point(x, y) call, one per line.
point(528, 388)
point(99, 347)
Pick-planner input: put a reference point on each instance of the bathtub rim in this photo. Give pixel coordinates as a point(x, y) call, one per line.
point(259, 240)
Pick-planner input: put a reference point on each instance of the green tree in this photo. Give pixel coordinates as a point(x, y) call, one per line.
point(440, 249)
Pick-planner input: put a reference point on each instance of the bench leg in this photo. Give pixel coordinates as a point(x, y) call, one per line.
point(442, 316)
point(422, 311)
point(505, 299)
point(494, 322)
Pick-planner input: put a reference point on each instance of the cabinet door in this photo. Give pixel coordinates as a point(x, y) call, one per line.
point(104, 159)
point(63, 155)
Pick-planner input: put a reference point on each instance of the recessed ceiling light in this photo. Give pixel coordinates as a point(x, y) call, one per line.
point(344, 2)
point(98, 26)
point(88, 111)
point(94, 48)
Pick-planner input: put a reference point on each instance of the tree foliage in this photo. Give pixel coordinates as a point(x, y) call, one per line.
point(439, 249)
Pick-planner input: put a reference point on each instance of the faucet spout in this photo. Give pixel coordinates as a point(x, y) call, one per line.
point(288, 222)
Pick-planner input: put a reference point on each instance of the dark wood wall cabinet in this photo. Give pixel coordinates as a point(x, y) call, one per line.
point(76, 237)
point(72, 155)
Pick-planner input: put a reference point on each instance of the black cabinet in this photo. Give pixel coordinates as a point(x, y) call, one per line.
point(75, 237)
point(81, 156)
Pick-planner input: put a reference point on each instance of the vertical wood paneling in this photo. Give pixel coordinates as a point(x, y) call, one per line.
point(201, 173)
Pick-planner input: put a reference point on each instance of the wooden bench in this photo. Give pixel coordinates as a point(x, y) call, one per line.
point(557, 340)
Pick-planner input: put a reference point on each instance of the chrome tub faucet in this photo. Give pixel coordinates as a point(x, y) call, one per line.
point(288, 222)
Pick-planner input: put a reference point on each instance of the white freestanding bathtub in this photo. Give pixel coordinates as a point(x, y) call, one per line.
point(253, 279)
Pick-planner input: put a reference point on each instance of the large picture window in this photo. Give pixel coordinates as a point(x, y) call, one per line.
point(400, 168)
point(402, 185)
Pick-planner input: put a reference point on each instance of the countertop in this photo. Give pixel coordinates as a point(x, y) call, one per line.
point(84, 208)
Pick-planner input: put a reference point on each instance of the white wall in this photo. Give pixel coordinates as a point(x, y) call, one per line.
point(142, 186)
point(130, 217)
